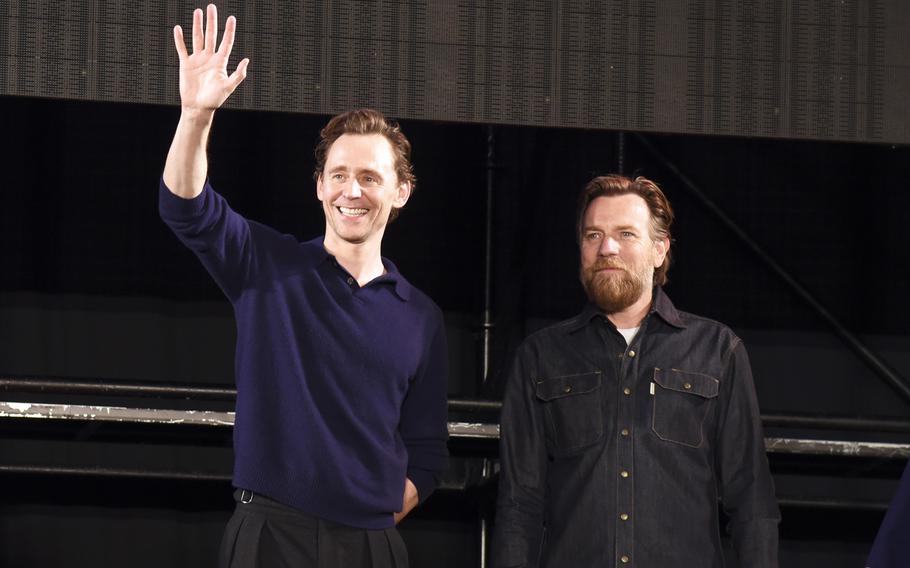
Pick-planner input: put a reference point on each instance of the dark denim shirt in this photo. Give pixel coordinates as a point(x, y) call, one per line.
point(617, 455)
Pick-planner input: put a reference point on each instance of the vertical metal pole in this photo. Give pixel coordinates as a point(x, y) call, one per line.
point(485, 521)
point(488, 262)
point(487, 328)
point(620, 152)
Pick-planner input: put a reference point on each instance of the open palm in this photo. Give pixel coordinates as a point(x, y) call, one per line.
point(204, 80)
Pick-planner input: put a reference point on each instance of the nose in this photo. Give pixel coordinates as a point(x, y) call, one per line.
point(352, 190)
point(609, 247)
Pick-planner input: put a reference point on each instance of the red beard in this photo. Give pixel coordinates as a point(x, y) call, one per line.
point(615, 291)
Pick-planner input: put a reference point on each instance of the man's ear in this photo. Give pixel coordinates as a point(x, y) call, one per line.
point(319, 193)
point(661, 246)
point(404, 193)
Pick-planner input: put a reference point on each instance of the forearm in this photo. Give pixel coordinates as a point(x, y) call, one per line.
point(756, 542)
point(746, 485)
point(423, 418)
point(187, 164)
point(519, 528)
point(522, 491)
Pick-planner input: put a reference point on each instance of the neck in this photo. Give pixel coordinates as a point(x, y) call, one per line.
point(634, 314)
point(363, 260)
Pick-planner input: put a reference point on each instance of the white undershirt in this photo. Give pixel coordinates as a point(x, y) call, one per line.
point(628, 333)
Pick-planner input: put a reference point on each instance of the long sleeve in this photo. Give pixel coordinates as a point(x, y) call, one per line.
point(746, 488)
point(891, 548)
point(519, 528)
point(219, 236)
point(424, 426)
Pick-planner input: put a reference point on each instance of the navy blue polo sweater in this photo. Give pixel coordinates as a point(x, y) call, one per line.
point(341, 389)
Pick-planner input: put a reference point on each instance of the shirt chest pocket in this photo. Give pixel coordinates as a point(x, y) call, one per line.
point(682, 400)
point(573, 411)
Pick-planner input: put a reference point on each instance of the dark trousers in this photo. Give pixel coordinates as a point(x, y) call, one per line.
point(263, 533)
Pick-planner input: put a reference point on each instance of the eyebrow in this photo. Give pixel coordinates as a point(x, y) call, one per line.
point(620, 228)
point(344, 168)
point(371, 172)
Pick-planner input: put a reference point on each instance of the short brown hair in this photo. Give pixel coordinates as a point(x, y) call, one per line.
point(658, 206)
point(367, 121)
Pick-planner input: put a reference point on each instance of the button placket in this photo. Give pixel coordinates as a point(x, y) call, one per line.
point(625, 490)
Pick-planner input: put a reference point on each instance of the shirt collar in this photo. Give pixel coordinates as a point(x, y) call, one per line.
point(660, 305)
point(401, 286)
point(663, 307)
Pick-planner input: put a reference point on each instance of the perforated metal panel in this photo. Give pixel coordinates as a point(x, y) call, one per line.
point(826, 69)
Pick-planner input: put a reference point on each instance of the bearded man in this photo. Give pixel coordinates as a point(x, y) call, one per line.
point(623, 427)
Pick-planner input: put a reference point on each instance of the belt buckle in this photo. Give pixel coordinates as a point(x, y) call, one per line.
point(243, 496)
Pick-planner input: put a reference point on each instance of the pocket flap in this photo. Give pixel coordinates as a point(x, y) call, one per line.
point(568, 385)
point(699, 384)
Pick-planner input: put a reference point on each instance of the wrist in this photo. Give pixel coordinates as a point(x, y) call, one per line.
point(198, 116)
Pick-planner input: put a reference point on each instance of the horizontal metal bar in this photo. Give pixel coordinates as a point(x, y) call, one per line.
point(129, 473)
point(474, 405)
point(114, 388)
point(47, 385)
point(473, 430)
point(94, 471)
point(42, 411)
point(837, 448)
point(851, 423)
point(115, 414)
point(832, 504)
point(198, 392)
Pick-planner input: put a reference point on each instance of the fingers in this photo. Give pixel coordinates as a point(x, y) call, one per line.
point(197, 30)
point(239, 74)
point(179, 43)
point(211, 28)
point(227, 42)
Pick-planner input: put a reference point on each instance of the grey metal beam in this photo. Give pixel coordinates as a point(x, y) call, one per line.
point(463, 430)
point(190, 391)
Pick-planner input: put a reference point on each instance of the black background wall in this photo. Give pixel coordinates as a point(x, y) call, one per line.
point(94, 286)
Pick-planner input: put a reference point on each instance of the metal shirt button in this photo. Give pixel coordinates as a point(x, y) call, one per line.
point(627, 391)
point(687, 386)
point(623, 473)
point(568, 389)
point(624, 517)
point(624, 559)
point(350, 280)
point(624, 431)
point(631, 353)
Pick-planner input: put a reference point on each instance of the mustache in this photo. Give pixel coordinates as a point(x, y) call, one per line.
point(608, 263)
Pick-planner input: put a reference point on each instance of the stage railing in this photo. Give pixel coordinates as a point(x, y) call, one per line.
point(473, 422)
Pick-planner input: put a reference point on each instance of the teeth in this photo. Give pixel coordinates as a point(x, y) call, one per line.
point(352, 212)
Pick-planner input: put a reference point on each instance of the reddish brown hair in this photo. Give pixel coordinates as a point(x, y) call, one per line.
point(658, 205)
point(367, 121)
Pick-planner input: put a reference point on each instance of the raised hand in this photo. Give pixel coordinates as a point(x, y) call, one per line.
point(204, 81)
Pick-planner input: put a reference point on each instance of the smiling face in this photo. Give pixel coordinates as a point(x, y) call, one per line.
point(358, 189)
point(618, 252)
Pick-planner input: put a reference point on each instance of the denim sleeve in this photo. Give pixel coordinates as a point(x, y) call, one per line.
point(518, 534)
point(424, 415)
point(216, 234)
point(746, 487)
